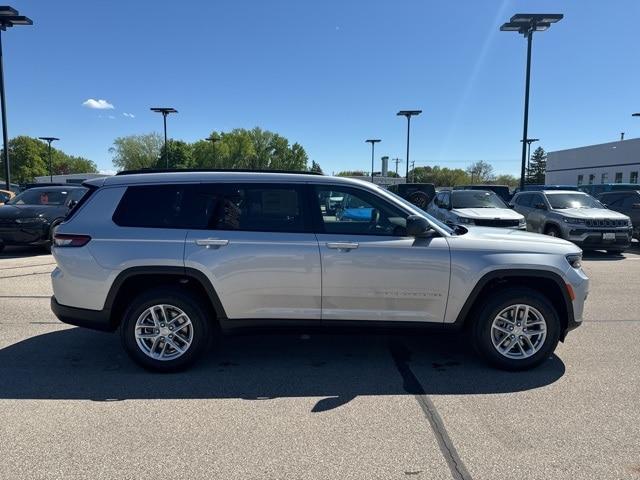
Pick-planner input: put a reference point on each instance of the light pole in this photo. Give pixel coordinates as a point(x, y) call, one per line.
point(529, 142)
point(164, 111)
point(526, 24)
point(373, 142)
point(49, 140)
point(408, 114)
point(213, 139)
point(8, 18)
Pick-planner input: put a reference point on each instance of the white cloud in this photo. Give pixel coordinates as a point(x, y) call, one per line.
point(129, 115)
point(98, 104)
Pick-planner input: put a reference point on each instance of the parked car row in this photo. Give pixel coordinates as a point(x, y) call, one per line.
point(608, 222)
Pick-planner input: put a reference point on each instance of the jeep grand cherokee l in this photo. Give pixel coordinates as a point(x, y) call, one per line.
point(171, 259)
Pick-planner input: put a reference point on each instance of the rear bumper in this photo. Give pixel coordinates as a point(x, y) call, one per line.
point(82, 317)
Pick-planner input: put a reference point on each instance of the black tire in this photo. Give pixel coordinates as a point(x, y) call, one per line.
point(553, 231)
point(191, 305)
point(1, 247)
point(419, 199)
point(481, 328)
point(616, 251)
point(52, 230)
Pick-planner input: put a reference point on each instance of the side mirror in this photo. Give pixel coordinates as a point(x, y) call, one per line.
point(417, 226)
point(540, 206)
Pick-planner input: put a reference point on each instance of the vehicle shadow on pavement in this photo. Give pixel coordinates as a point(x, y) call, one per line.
point(596, 255)
point(23, 252)
point(81, 364)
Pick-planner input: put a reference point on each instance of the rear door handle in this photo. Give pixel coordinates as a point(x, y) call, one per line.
point(211, 242)
point(346, 246)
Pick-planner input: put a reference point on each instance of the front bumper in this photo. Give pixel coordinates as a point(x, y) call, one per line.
point(82, 317)
point(595, 238)
point(24, 234)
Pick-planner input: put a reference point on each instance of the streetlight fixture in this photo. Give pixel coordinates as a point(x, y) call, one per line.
point(373, 142)
point(49, 140)
point(526, 24)
point(165, 111)
point(529, 142)
point(635, 114)
point(408, 114)
point(8, 18)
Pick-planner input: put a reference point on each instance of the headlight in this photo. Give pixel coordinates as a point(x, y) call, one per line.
point(466, 220)
point(575, 221)
point(575, 260)
point(31, 220)
point(522, 222)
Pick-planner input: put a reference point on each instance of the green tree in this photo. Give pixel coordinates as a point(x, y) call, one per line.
point(506, 179)
point(537, 167)
point(352, 173)
point(136, 151)
point(180, 155)
point(480, 172)
point(315, 167)
point(29, 158)
point(439, 176)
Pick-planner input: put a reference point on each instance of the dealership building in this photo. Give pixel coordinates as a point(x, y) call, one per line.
point(614, 162)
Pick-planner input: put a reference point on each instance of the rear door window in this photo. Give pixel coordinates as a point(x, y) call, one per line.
point(524, 200)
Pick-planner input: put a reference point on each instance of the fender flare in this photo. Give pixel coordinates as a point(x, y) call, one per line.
point(505, 274)
point(186, 272)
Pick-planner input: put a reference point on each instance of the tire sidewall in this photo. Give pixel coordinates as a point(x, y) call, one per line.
point(503, 299)
point(185, 302)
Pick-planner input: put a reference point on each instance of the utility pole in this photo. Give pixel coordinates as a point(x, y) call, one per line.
point(397, 161)
point(413, 165)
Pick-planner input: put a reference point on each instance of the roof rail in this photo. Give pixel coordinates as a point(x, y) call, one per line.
point(242, 170)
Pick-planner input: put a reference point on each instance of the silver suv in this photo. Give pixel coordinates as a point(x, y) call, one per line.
point(172, 259)
point(575, 216)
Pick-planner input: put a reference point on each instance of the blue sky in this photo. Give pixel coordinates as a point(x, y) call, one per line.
point(327, 74)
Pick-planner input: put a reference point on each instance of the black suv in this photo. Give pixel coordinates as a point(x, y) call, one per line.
point(30, 217)
point(627, 202)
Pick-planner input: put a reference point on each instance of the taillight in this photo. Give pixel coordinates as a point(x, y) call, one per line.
point(68, 240)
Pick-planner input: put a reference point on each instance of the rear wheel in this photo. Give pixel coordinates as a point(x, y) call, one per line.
point(165, 330)
point(517, 329)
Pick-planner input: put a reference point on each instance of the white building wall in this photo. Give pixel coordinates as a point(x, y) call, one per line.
point(564, 166)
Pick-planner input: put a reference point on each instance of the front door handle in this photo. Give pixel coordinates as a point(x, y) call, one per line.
point(211, 242)
point(346, 246)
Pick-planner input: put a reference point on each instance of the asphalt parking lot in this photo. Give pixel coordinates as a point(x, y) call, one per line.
point(72, 405)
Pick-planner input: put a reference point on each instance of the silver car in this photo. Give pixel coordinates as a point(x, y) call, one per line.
point(171, 259)
point(474, 207)
point(575, 216)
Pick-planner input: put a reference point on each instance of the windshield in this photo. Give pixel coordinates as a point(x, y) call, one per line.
point(39, 197)
point(475, 199)
point(559, 201)
point(431, 219)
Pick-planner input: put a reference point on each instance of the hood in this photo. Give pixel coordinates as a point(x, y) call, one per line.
point(592, 213)
point(27, 211)
point(488, 213)
point(506, 240)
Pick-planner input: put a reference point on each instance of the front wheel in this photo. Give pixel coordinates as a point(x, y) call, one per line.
point(517, 329)
point(165, 330)
point(553, 232)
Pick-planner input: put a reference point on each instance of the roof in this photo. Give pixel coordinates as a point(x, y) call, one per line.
point(219, 176)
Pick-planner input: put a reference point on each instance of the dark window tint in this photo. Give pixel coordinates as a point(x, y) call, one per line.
point(446, 199)
point(155, 206)
point(360, 213)
point(524, 200)
point(39, 196)
point(252, 207)
point(630, 200)
point(258, 208)
point(537, 199)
